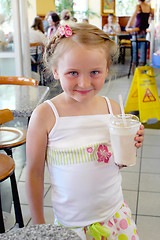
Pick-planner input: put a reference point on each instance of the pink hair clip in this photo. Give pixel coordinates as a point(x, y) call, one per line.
point(65, 30)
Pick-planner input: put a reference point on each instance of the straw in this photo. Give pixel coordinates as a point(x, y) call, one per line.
point(122, 110)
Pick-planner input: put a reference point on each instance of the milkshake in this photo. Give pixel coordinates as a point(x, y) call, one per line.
point(122, 134)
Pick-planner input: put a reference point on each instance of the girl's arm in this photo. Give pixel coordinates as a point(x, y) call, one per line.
point(36, 151)
point(131, 20)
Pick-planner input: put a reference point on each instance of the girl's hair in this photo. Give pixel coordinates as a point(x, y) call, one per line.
point(38, 24)
point(82, 34)
point(65, 14)
point(55, 18)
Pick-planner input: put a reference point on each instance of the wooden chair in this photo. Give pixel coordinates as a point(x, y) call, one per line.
point(124, 44)
point(11, 137)
point(37, 49)
point(18, 80)
point(7, 167)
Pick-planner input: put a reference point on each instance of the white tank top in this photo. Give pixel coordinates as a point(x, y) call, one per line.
point(86, 183)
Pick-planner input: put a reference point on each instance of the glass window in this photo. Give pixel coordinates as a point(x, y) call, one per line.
point(6, 26)
point(125, 7)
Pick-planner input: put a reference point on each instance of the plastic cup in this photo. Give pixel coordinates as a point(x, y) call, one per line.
point(122, 136)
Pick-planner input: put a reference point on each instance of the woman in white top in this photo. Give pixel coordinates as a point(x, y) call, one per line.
point(36, 34)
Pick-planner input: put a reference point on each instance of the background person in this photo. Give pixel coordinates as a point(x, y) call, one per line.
point(112, 27)
point(36, 34)
point(66, 18)
point(140, 19)
point(54, 21)
point(70, 132)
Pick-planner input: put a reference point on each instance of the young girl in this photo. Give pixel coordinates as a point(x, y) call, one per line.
point(70, 132)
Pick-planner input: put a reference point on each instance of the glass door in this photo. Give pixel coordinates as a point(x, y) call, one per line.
point(14, 41)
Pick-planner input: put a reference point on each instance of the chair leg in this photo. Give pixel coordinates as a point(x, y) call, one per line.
point(17, 207)
point(9, 152)
point(2, 228)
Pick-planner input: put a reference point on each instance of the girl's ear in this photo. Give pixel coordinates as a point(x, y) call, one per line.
point(55, 74)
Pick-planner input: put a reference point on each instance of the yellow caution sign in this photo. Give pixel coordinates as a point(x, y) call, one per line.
point(143, 95)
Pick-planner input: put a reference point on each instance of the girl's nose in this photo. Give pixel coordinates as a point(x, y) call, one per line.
point(84, 82)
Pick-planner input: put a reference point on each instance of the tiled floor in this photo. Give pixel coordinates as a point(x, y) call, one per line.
point(141, 183)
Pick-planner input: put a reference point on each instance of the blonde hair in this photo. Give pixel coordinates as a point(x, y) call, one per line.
point(82, 34)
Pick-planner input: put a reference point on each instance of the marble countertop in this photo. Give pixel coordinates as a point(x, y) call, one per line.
point(40, 232)
point(22, 100)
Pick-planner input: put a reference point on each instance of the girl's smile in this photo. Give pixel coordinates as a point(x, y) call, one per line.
point(83, 91)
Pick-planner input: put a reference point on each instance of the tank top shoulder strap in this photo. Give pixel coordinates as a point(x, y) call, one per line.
point(109, 105)
point(53, 108)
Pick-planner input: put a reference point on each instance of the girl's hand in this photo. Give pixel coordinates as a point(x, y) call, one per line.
point(139, 139)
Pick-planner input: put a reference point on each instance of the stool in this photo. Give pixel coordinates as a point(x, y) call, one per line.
point(10, 136)
point(7, 167)
point(137, 41)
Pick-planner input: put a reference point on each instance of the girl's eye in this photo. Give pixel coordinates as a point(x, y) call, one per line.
point(73, 73)
point(94, 73)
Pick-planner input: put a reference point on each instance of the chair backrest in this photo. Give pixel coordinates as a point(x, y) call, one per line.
point(5, 116)
point(18, 80)
point(35, 44)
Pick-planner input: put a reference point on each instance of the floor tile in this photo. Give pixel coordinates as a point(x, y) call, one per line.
point(151, 152)
point(152, 131)
point(150, 182)
point(131, 199)
point(25, 213)
point(150, 165)
point(152, 140)
point(149, 204)
point(22, 192)
point(130, 181)
point(47, 198)
point(148, 227)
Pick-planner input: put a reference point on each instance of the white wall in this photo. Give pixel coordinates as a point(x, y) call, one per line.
point(95, 6)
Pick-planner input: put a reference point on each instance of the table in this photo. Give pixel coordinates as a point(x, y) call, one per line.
point(22, 100)
point(42, 231)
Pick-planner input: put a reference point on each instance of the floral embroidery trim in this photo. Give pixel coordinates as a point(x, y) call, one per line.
point(89, 149)
point(65, 31)
point(103, 154)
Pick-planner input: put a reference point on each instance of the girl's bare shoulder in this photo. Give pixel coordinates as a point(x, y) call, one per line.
point(115, 107)
point(43, 115)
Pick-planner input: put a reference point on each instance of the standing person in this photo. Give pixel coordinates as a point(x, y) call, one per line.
point(140, 19)
point(36, 34)
point(70, 132)
point(54, 21)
